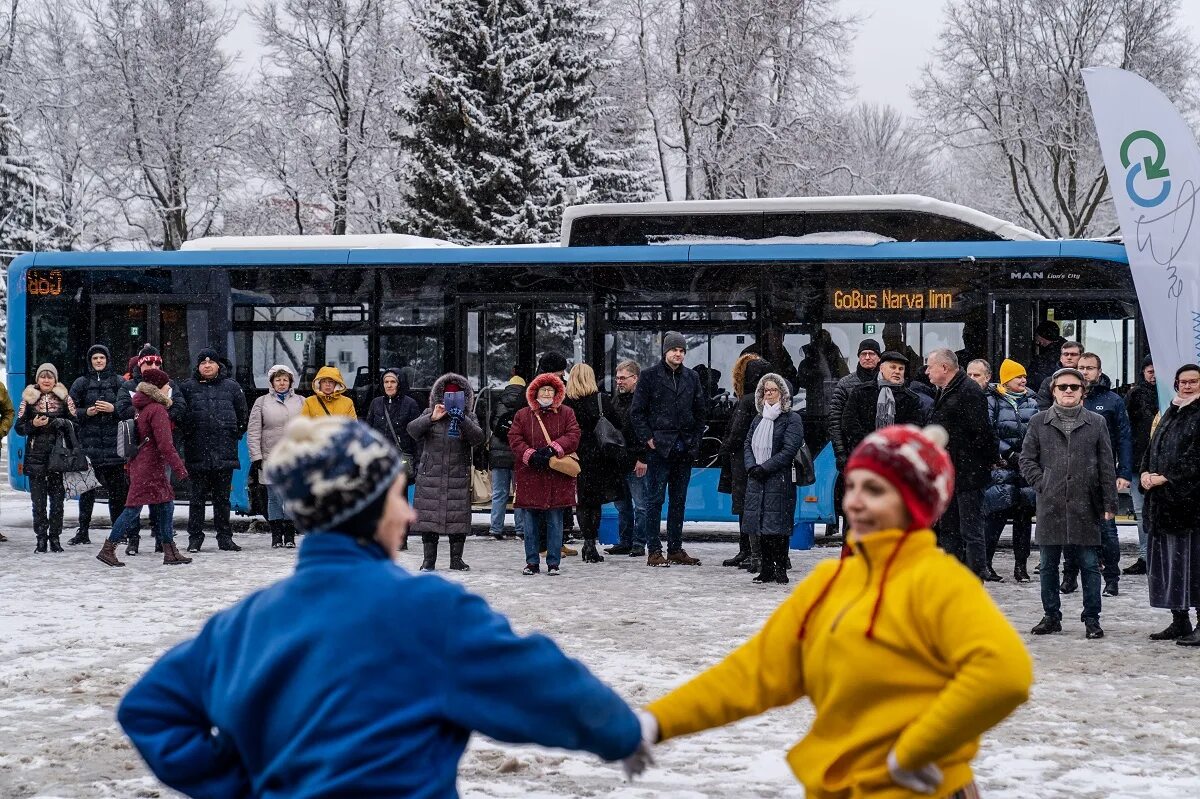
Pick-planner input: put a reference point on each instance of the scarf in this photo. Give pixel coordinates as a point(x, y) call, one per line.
point(1069, 417)
point(885, 406)
point(763, 443)
point(1180, 402)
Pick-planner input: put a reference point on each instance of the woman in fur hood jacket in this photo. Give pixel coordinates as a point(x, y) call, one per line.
point(46, 408)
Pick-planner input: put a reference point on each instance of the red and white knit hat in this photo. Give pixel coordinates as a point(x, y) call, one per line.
point(914, 461)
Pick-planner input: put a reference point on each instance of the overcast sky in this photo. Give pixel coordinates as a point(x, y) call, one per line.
point(891, 47)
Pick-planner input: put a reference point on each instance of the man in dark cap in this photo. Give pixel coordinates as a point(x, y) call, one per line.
point(1048, 341)
point(865, 372)
point(882, 402)
point(668, 414)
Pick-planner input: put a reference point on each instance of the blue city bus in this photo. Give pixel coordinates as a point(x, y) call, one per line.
point(799, 281)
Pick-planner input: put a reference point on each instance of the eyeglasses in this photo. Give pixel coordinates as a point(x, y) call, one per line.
point(1068, 387)
point(1189, 382)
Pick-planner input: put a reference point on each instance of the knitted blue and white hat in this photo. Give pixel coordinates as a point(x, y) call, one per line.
point(329, 470)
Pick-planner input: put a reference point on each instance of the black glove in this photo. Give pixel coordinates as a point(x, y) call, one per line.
point(256, 465)
point(757, 473)
point(541, 458)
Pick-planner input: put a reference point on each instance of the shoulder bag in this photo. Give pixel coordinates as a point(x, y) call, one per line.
point(803, 471)
point(481, 476)
point(569, 464)
point(405, 458)
point(607, 435)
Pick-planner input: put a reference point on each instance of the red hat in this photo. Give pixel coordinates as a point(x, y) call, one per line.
point(156, 377)
point(915, 462)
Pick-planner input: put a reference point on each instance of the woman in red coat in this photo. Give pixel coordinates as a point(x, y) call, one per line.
point(148, 480)
point(543, 493)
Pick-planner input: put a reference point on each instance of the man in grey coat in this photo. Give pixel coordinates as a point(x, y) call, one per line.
point(1068, 460)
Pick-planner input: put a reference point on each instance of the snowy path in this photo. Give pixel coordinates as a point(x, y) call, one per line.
point(1111, 718)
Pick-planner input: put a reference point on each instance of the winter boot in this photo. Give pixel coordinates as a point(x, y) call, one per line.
point(1180, 627)
point(742, 553)
point(131, 547)
point(680, 557)
point(289, 537)
point(3, 537)
point(1046, 626)
point(1019, 573)
point(276, 533)
point(782, 561)
point(568, 552)
point(1111, 586)
point(1192, 639)
point(171, 556)
point(657, 559)
point(754, 562)
point(1070, 583)
point(590, 555)
point(429, 545)
point(769, 566)
point(457, 544)
point(81, 537)
point(1138, 567)
point(158, 544)
point(619, 549)
point(42, 542)
point(108, 554)
point(1093, 630)
point(54, 545)
point(226, 544)
point(195, 542)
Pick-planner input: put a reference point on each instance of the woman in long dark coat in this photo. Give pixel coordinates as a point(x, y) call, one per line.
point(1170, 478)
point(442, 497)
point(746, 373)
point(775, 437)
point(602, 472)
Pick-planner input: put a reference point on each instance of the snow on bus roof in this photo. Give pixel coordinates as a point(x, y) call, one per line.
point(864, 203)
point(365, 241)
point(860, 237)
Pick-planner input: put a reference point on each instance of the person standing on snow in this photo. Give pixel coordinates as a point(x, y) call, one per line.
point(269, 417)
point(903, 682)
point(1142, 403)
point(747, 371)
point(95, 394)
point(602, 472)
point(46, 410)
point(380, 703)
point(631, 509)
point(7, 414)
point(329, 396)
point(1011, 406)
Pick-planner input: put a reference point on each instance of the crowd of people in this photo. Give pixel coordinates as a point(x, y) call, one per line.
point(556, 447)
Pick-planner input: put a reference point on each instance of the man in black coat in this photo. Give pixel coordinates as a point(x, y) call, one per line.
point(863, 413)
point(495, 417)
point(1068, 358)
point(216, 420)
point(1047, 338)
point(668, 415)
point(961, 407)
point(865, 373)
point(95, 394)
point(1142, 404)
point(631, 510)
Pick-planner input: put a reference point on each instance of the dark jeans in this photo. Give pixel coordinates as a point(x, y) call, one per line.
point(589, 521)
point(632, 512)
point(116, 483)
point(1051, 600)
point(1110, 553)
point(1022, 517)
point(543, 522)
point(214, 485)
point(162, 522)
point(960, 530)
point(47, 489)
point(666, 478)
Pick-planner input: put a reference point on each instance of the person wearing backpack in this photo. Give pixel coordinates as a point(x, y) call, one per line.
point(602, 469)
point(216, 419)
point(149, 483)
point(95, 395)
point(46, 410)
point(500, 412)
point(269, 417)
point(329, 396)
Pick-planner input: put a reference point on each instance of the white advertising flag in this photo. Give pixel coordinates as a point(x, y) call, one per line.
point(1153, 166)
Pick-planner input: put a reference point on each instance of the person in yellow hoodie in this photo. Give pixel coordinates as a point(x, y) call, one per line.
point(329, 396)
point(903, 654)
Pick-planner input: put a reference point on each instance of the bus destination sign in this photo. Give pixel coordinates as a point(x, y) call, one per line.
point(44, 283)
point(860, 299)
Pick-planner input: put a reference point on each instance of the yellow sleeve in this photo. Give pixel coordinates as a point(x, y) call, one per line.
point(993, 670)
point(307, 408)
point(765, 672)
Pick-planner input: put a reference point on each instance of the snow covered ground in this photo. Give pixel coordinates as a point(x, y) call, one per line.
point(1113, 718)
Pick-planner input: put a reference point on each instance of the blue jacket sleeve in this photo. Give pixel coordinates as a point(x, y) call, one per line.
point(525, 690)
point(164, 715)
point(1124, 442)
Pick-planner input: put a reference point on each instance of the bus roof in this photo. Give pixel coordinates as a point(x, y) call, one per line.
point(902, 217)
point(364, 241)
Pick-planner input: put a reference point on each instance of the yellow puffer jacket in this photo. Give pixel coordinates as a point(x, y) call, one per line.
point(922, 662)
point(337, 404)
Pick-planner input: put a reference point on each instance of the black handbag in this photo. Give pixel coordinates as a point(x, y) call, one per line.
point(803, 471)
point(66, 455)
point(608, 437)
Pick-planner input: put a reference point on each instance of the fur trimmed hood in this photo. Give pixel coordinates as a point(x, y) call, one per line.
point(439, 390)
point(546, 379)
point(155, 393)
point(32, 393)
point(785, 392)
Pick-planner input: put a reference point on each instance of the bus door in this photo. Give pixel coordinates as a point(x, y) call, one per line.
point(176, 328)
point(498, 334)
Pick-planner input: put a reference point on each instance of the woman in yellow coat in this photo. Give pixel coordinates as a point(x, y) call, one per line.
point(903, 654)
point(328, 397)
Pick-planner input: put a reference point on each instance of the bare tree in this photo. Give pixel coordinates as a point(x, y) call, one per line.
point(883, 153)
point(332, 70)
point(1006, 86)
point(168, 112)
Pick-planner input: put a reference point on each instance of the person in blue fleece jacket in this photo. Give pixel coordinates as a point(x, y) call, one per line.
point(353, 677)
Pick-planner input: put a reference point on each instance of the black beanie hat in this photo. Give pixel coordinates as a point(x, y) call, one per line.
point(207, 352)
point(148, 349)
point(868, 344)
point(1147, 361)
point(552, 361)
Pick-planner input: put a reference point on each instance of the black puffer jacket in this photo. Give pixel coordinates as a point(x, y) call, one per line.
point(216, 419)
point(837, 405)
point(1010, 415)
point(961, 408)
point(177, 413)
point(1142, 404)
point(98, 433)
point(634, 450)
point(669, 407)
point(1174, 452)
point(56, 404)
point(500, 412)
point(601, 476)
point(733, 467)
point(391, 415)
point(858, 412)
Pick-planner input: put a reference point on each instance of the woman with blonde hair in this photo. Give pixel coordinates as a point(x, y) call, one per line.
point(602, 471)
